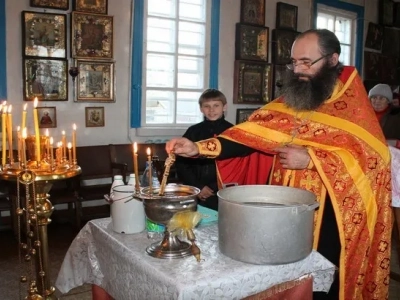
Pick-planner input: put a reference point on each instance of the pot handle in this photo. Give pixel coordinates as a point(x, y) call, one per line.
point(229, 184)
point(313, 206)
point(300, 209)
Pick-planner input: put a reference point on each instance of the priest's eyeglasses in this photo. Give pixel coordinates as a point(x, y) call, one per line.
point(305, 65)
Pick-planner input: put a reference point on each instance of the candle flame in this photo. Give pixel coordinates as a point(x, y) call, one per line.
point(9, 109)
point(74, 126)
point(148, 151)
point(18, 128)
point(135, 147)
point(51, 141)
point(47, 132)
point(63, 132)
point(5, 108)
point(25, 106)
point(24, 133)
point(69, 146)
point(35, 102)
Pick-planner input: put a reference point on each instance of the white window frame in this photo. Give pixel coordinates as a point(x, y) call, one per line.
point(321, 8)
point(171, 129)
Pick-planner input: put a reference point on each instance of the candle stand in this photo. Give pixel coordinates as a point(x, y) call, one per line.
point(33, 182)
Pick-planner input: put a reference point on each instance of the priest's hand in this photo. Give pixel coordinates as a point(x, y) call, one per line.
point(182, 147)
point(293, 157)
point(205, 193)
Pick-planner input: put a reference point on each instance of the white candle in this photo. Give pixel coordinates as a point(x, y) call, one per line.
point(37, 133)
point(74, 143)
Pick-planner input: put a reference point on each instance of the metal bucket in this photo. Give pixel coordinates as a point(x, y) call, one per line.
point(127, 212)
point(263, 224)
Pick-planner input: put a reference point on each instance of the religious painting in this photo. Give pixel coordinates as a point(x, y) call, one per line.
point(44, 34)
point(94, 117)
point(95, 81)
point(45, 79)
point(91, 6)
point(374, 38)
point(252, 12)
point(391, 42)
point(386, 12)
point(47, 117)
point(372, 69)
point(252, 82)
point(279, 75)
point(53, 4)
point(91, 36)
point(282, 41)
point(396, 21)
point(243, 114)
point(251, 42)
point(389, 69)
point(286, 16)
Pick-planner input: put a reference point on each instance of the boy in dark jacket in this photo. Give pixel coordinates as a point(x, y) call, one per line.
point(202, 173)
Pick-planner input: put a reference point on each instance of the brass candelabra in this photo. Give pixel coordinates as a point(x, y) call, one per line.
point(33, 210)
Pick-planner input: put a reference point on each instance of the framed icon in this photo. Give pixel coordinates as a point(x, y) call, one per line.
point(94, 117)
point(286, 16)
point(47, 116)
point(252, 82)
point(91, 36)
point(95, 81)
point(252, 12)
point(386, 12)
point(91, 6)
point(44, 34)
point(374, 38)
point(243, 114)
point(54, 4)
point(252, 42)
point(279, 75)
point(282, 41)
point(45, 79)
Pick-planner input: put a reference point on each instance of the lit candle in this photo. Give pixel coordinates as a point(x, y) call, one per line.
point(69, 153)
point(150, 171)
point(64, 145)
point(37, 133)
point(3, 135)
point(23, 124)
point(51, 152)
point(74, 143)
point(9, 130)
point(59, 152)
point(47, 144)
point(24, 135)
point(135, 167)
point(19, 145)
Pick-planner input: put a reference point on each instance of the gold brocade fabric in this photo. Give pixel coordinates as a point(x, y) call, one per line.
point(350, 162)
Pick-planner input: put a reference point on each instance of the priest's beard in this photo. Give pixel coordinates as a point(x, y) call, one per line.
point(310, 94)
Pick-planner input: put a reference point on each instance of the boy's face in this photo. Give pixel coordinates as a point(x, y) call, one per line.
point(213, 109)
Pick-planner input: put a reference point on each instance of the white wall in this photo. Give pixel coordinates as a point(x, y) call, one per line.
point(117, 122)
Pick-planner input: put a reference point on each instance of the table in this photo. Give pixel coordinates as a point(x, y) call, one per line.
point(118, 263)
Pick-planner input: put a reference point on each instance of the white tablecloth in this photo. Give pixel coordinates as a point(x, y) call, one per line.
point(395, 154)
point(118, 263)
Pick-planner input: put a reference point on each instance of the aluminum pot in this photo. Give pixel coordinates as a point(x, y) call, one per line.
point(265, 224)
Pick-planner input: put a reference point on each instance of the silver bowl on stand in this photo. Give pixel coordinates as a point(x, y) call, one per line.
point(160, 209)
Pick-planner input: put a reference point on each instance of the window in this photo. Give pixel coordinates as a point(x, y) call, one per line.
point(343, 24)
point(177, 61)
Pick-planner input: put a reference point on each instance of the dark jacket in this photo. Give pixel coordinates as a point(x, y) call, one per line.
point(390, 123)
point(202, 171)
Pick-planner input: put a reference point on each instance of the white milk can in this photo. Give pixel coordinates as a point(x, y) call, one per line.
point(127, 212)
